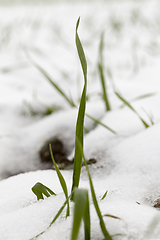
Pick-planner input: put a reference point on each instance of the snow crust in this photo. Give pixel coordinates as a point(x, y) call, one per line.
point(128, 162)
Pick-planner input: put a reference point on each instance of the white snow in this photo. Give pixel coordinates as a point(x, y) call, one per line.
point(128, 162)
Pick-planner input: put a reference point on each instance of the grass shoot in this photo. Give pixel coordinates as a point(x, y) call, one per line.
point(101, 73)
point(81, 115)
point(102, 124)
point(141, 97)
point(95, 202)
point(128, 105)
point(104, 195)
point(54, 84)
point(81, 211)
point(39, 190)
point(61, 180)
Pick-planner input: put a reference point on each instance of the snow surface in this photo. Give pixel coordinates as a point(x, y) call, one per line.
point(128, 162)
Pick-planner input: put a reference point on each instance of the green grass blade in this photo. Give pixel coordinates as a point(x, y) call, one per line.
point(60, 210)
point(150, 117)
point(104, 195)
point(111, 216)
point(141, 97)
point(86, 218)
point(128, 104)
point(105, 97)
point(39, 189)
point(81, 114)
point(97, 121)
point(101, 73)
point(95, 202)
point(81, 211)
point(45, 74)
point(81, 53)
point(55, 218)
point(61, 179)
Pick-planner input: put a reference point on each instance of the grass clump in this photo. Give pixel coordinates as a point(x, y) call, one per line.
point(79, 196)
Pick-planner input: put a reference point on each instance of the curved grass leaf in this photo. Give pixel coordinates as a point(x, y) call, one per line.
point(95, 202)
point(97, 121)
point(128, 104)
point(81, 54)
point(149, 115)
point(45, 74)
point(144, 96)
point(39, 190)
point(61, 180)
point(81, 211)
point(60, 210)
point(141, 97)
point(104, 195)
point(111, 216)
point(55, 218)
point(81, 114)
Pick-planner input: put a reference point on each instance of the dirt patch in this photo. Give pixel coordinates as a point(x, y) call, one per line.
point(60, 155)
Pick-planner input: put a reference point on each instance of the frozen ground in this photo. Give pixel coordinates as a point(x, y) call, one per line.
point(128, 163)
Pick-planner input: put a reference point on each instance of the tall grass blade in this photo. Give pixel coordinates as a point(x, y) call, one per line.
point(95, 202)
point(61, 180)
point(81, 53)
point(39, 189)
point(81, 114)
point(101, 73)
point(97, 121)
point(128, 104)
point(45, 74)
point(81, 211)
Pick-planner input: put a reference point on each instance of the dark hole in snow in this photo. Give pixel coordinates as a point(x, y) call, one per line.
point(60, 155)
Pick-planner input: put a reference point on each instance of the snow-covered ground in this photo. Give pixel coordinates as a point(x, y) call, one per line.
point(128, 163)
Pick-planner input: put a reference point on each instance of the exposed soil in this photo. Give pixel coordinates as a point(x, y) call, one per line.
point(60, 155)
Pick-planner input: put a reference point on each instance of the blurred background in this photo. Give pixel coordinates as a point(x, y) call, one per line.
point(4, 2)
